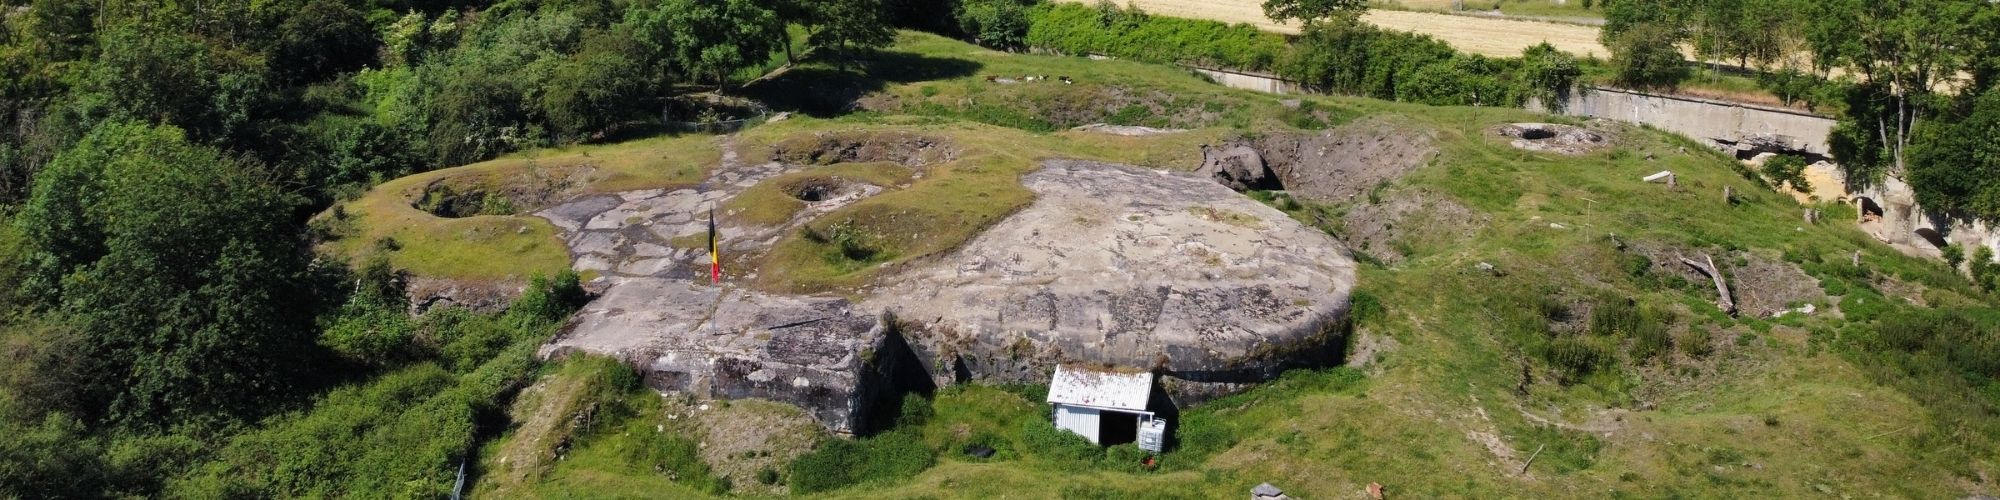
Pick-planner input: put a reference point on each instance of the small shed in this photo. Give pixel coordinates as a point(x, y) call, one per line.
point(1106, 407)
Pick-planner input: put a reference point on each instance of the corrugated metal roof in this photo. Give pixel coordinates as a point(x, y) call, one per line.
point(1079, 386)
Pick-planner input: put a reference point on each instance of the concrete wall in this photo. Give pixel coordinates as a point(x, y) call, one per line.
point(1702, 119)
point(1250, 81)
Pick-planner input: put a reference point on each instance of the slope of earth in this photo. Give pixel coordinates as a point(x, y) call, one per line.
point(1545, 340)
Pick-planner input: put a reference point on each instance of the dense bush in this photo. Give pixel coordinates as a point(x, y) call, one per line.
point(1132, 34)
point(1787, 169)
point(404, 432)
point(1355, 58)
point(1955, 164)
point(1548, 74)
point(999, 24)
point(1648, 57)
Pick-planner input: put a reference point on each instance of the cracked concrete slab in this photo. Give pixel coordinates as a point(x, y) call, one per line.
point(1133, 268)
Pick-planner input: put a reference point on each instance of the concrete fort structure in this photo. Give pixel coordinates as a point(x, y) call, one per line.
point(1170, 276)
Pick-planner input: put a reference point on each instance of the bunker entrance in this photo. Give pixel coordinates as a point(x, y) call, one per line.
point(1870, 212)
point(1932, 236)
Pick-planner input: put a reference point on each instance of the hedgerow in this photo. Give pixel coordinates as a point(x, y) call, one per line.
point(1133, 34)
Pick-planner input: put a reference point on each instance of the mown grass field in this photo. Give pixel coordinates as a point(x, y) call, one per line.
point(1465, 400)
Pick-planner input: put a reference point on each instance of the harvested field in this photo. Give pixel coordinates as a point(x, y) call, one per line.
point(1484, 36)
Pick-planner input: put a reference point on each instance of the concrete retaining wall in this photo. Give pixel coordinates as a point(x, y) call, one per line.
point(1250, 81)
point(1704, 119)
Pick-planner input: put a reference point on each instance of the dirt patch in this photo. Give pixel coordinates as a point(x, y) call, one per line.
point(1391, 229)
point(427, 294)
point(1126, 130)
point(1554, 138)
point(1343, 163)
point(909, 150)
point(469, 196)
point(1762, 286)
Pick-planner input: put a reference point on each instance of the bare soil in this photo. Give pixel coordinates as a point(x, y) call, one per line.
point(1384, 230)
point(910, 150)
point(1343, 163)
point(1762, 286)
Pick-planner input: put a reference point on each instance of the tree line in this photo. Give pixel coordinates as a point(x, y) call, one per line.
point(159, 159)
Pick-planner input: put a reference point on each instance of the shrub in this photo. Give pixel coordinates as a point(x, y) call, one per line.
point(1548, 74)
point(549, 300)
point(370, 335)
point(1046, 442)
point(1648, 57)
point(840, 463)
point(1131, 34)
point(1000, 24)
point(1787, 169)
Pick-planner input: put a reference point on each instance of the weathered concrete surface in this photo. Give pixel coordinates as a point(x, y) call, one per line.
point(814, 352)
point(1704, 119)
point(1239, 167)
point(1133, 268)
point(659, 313)
point(1554, 138)
point(1889, 212)
point(1341, 164)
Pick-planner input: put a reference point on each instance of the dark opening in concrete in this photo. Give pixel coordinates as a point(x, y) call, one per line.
point(815, 190)
point(1869, 210)
point(1935, 238)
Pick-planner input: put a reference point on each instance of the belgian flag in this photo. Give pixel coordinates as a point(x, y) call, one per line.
point(714, 251)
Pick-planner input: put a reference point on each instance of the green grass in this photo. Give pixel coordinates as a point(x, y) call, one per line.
point(775, 200)
point(510, 247)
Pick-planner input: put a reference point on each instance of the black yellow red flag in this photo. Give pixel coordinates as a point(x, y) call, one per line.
point(714, 251)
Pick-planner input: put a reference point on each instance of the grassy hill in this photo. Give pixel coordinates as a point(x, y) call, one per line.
point(1523, 325)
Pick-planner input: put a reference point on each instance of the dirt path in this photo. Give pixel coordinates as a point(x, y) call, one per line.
point(1484, 36)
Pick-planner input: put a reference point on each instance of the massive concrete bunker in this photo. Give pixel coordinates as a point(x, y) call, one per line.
point(1110, 266)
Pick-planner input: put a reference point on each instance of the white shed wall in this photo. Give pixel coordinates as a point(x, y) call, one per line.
point(1082, 421)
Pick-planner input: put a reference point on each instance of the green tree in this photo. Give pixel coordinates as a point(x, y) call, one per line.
point(845, 24)
point(1955, 165)
point(181, 266)
point(596, 88)
point(321, 39)
point(1903, 53)
point(1313, 11)
point(1000, 24)
point(1647, 57)
point(708, 38)
point(147, 74)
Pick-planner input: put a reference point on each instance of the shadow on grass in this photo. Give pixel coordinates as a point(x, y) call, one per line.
point(822, 90)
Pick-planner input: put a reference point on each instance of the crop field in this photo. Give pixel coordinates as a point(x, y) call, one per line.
point(1483, 36)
